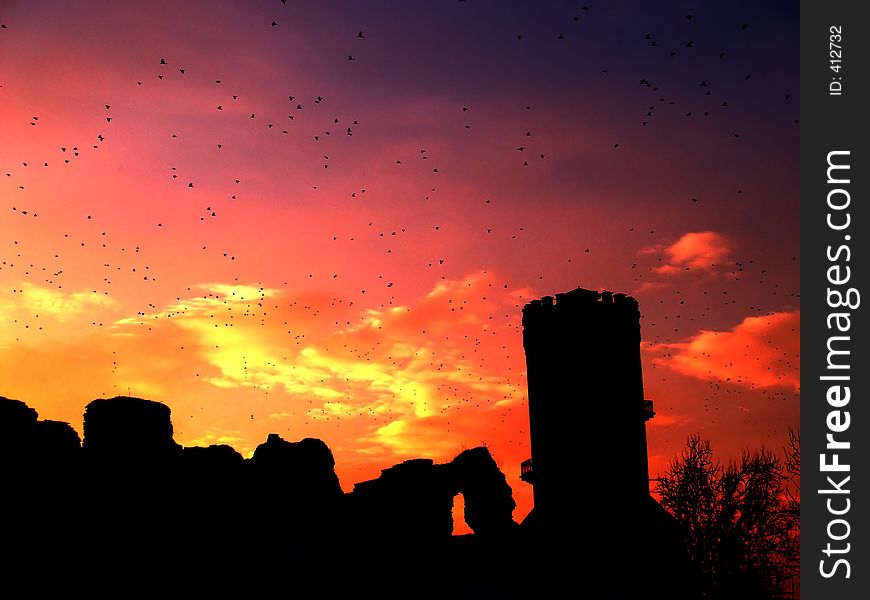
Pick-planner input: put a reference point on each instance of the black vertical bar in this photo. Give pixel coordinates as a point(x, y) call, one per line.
point(835, 225)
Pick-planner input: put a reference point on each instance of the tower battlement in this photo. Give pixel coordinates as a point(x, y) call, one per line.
point(588, 300)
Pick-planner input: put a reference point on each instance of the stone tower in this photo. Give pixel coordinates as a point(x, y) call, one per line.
point(587, 410)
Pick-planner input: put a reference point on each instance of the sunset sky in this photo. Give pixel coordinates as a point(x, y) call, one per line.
point(322, 219)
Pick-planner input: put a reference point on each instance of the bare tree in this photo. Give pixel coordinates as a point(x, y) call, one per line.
point(734, 518)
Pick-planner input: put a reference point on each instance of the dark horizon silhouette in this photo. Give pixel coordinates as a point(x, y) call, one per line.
point(145, 509)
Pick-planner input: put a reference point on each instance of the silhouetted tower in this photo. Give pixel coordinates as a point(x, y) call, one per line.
point(587, 412)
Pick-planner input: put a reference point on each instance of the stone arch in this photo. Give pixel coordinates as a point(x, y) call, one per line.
point(488, 499)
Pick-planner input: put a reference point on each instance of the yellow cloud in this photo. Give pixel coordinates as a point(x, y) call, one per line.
point(405, 440)
point(32, 300)
point(277, 360)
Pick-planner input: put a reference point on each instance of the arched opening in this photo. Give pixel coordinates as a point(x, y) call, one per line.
point(460, 527)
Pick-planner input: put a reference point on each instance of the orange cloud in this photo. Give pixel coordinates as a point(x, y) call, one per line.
point(703, 250)
point(759, 352)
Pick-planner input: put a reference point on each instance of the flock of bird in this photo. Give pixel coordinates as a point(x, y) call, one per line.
point(498, 333)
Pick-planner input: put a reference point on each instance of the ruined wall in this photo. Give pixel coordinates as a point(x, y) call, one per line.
point(413, 501)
